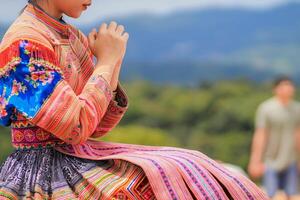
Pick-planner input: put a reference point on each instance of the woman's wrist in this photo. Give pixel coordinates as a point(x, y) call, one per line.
point(105, 70)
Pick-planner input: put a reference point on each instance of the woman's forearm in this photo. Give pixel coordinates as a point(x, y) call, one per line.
point(116, 73)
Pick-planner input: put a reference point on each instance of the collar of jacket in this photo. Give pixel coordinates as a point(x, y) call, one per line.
point(58, 25)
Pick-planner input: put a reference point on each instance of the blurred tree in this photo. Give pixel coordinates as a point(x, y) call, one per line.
point(140, 135)
point(5, 143)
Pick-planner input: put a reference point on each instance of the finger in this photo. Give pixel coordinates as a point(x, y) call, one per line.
point(94, 33)
point(125, 36)
point(91, 38)
point(112, 26)
point(103, 28)
point(120, 29)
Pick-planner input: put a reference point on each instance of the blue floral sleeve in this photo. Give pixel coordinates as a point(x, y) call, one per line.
point(25, 86)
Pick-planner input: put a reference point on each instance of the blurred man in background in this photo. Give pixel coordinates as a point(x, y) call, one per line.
point(274, 148)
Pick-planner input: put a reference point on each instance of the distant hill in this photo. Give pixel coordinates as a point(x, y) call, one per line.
point(211, 33)
point(2, 30)
point(186, 47)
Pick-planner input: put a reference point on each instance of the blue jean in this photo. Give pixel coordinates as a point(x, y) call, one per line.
point(286, 180)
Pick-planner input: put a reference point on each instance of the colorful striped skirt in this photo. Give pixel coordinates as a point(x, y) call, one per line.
point(172, 173)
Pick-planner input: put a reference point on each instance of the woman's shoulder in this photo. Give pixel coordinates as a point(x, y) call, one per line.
point(25, 29)
point(24, 39)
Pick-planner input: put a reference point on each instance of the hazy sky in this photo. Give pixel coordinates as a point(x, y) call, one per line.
point(103, 8)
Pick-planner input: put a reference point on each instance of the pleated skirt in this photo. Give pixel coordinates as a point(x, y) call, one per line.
point(111, 171)
point(49, 174)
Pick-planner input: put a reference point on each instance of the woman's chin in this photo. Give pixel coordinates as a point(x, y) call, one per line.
point(74, 15)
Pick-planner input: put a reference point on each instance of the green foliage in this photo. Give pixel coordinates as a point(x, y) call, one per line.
point(5, 143)
point(135, 134)
point(231, 147)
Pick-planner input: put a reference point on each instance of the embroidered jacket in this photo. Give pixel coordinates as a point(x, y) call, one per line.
point(49, 92)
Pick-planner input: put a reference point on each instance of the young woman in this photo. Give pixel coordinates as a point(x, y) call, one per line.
point(57, 101)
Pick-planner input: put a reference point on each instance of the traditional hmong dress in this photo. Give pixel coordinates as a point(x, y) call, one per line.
point(56, 105)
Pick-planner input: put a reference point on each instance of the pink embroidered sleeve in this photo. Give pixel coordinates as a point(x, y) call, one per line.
point(114, 113)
